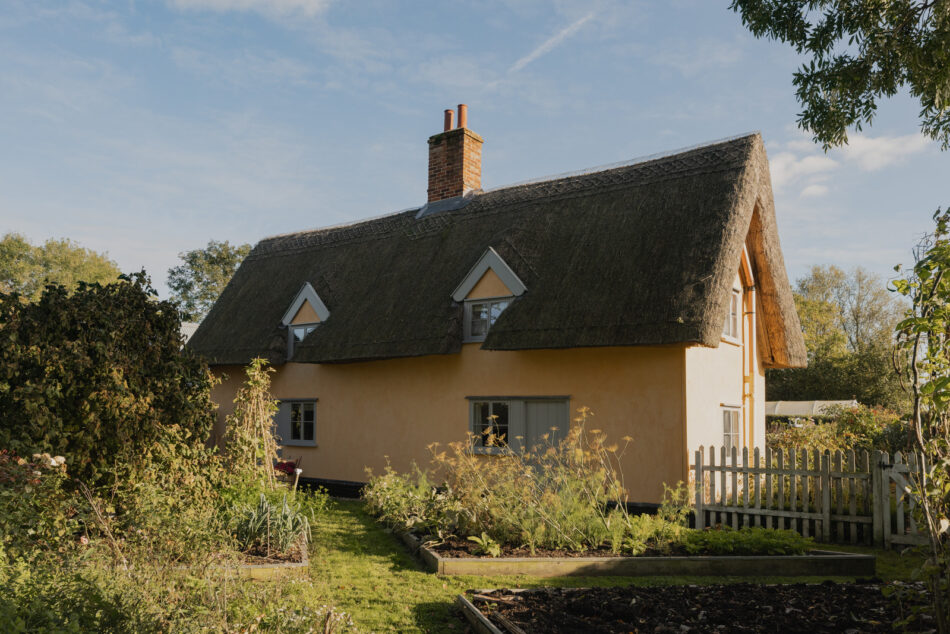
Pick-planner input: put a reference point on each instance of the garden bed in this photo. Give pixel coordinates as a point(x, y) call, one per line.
point(817, 563)
point(828, 607)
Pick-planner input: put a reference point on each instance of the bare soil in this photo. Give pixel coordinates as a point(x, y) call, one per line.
point(828, 607)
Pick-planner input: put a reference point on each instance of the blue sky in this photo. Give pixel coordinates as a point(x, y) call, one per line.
point(143, 129)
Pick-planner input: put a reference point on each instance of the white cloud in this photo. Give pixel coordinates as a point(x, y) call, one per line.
point(814, 191)
point(875, 153)
point(551, 43)
point(788, 168)
point(266, 7)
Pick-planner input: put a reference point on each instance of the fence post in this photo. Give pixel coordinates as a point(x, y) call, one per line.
point(878, 501)
point(700, 521)
point(825, 497)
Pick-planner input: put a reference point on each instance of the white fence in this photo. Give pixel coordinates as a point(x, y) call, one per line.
point(846, 497)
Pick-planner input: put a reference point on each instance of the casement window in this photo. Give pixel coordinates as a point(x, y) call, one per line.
point(296, 422)
point(517, 423)
point(731, 429)
point(480, 314)
point(731, 328)
point(297, 333)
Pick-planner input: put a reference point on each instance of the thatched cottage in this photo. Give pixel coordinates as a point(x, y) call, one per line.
point(653, 293)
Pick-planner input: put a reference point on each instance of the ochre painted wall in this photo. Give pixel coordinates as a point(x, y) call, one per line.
point(490, 285)
point(306, 315)
point(396, 408)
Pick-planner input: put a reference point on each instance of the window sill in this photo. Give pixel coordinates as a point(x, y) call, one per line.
point(299, 443)
point(732, 341)
point(492, 451)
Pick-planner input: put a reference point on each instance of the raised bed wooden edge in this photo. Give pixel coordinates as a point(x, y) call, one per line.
point(818, 563)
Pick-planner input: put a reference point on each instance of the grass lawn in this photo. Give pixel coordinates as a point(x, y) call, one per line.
point(360, 568)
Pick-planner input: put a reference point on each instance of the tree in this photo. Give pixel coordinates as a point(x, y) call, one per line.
point(861, 51)
point(925, 338)
point(98, 375)
point(848, 321)
point(25, 269)
point(197, 282)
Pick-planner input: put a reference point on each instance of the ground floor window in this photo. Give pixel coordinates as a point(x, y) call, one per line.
point(296, 422)
point(515, 423)
point(731, 432)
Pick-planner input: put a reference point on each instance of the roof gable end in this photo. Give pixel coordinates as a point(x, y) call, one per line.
point(309, 295)
point(489, 260)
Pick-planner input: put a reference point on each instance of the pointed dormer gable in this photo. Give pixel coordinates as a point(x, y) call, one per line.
point(308, 297)
point(486, 291)
point(306, 312)
point(490, 262)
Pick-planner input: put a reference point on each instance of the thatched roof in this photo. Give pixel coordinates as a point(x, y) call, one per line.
point(643, 254)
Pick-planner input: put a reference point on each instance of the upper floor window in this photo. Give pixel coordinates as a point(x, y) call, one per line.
point(481, 314)
point(300, 331)
point(731, 328)
point(730, 429)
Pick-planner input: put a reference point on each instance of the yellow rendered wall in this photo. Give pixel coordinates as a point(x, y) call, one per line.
point(396, 408)
point(490, 285)
point(306, 315)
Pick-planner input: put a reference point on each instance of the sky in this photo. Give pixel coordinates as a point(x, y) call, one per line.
point(145, 129)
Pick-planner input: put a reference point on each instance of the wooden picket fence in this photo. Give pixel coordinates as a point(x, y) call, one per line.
point(846, 497)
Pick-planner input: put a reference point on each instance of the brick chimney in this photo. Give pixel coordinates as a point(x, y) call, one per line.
point(455, 158)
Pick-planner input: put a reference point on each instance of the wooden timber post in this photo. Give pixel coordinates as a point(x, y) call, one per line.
point(699, 521)
point(825, 498)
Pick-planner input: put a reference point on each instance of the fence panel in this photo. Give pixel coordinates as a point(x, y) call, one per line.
point(847, 497)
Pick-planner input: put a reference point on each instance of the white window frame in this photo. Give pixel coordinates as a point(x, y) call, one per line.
point(732, 327)
point(517, 421)
point(302, 441)
point(468, 337)
point(731, 436)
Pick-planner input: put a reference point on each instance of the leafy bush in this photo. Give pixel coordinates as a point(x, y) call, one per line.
point(249, 441)
point(842, 428)
point(555, 496)
point(95, 375)
point(36, 514)
point(746, 541)
point(411, 502)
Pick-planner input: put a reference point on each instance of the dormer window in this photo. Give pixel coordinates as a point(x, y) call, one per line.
point(300, 331)
point(481, 314)
point(487, 290)
point(307, 311)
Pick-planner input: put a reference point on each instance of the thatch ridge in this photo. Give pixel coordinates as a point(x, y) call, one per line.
point(639, 254)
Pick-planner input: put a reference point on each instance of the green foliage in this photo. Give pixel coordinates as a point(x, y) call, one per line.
point(25, 269)
point(746, 541)
point(203, 274)
point(411, 502)
point(556, 497)
point(924, 338)
point(249, 439)
point(38, 516)
point(486, 545)
point(842, 428)
point(97, 375)
point(860, 51)
point(848, 322)
point(267, 530)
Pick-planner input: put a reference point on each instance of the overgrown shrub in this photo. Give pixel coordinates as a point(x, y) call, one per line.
point(842, 428)
point(94, 374)
point(554, 496)
point(250, 444)
point(37, 514)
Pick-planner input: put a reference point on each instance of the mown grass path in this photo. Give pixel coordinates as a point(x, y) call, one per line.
point(360, 568)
